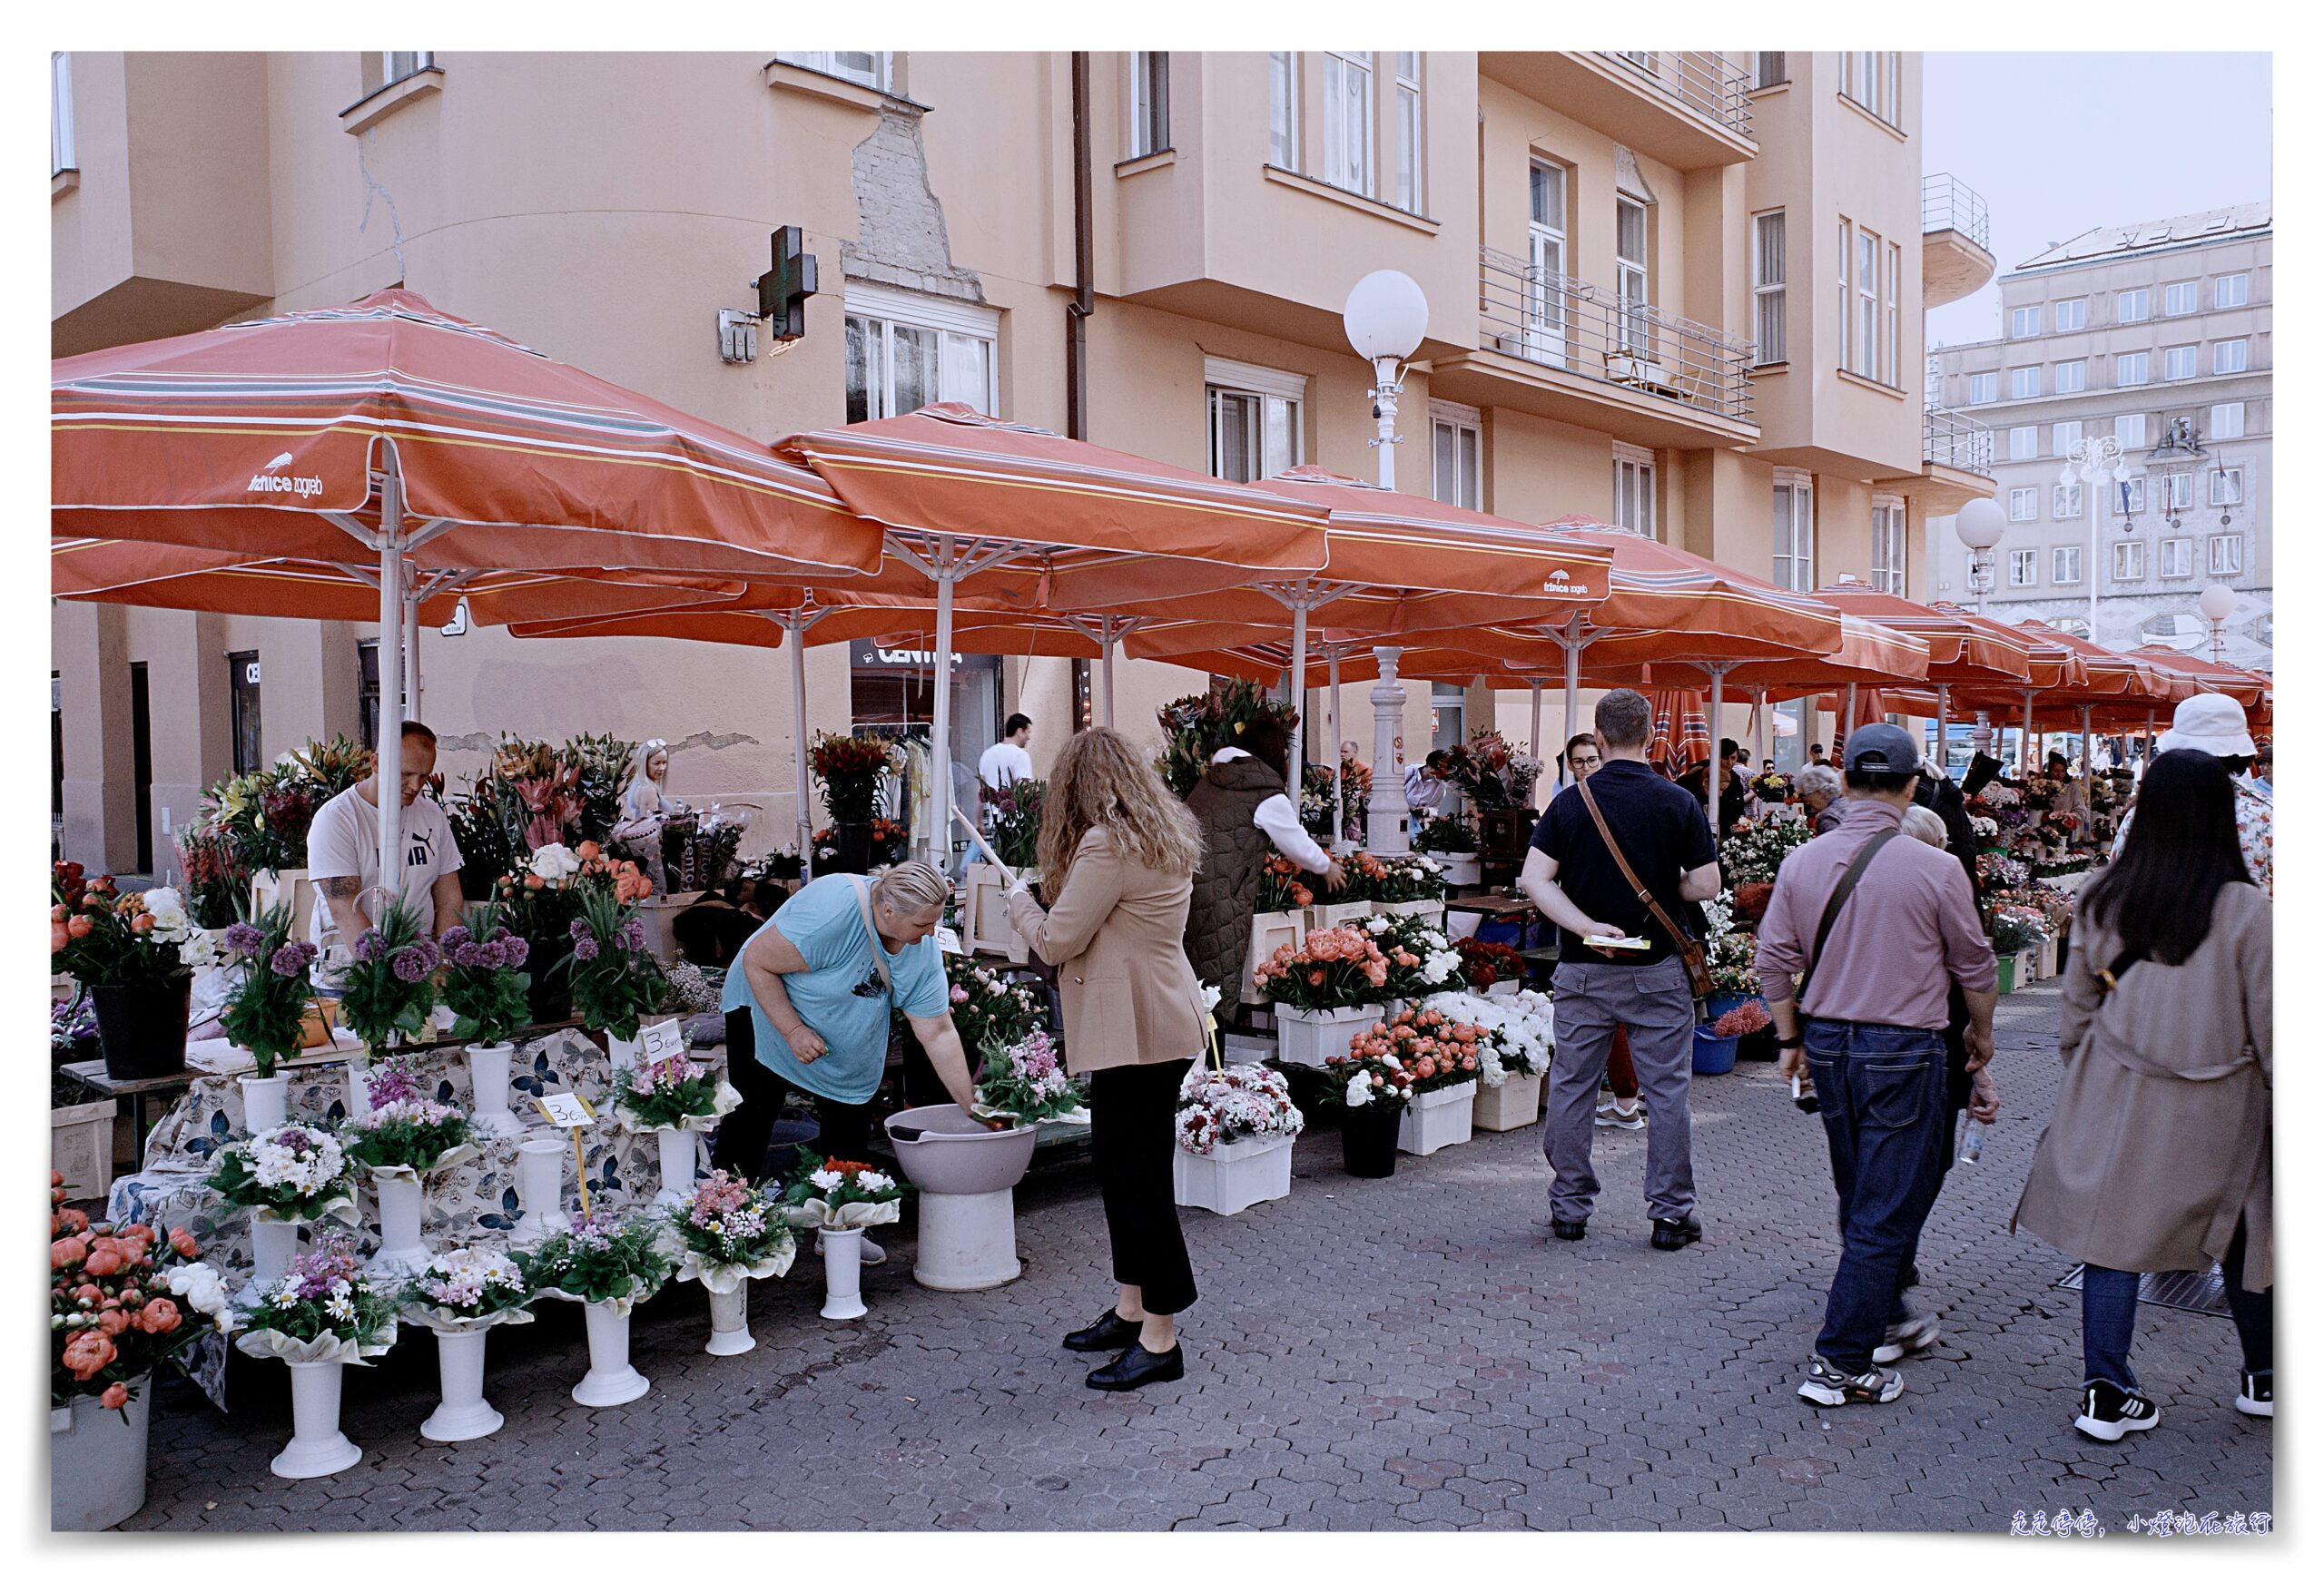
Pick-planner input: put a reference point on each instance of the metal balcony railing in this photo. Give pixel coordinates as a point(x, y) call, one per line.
point(1949, 203)
point(1560, 322)
point(1703, 81)
point(1953, 439)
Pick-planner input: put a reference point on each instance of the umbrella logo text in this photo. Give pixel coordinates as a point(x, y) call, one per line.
point(268, 480)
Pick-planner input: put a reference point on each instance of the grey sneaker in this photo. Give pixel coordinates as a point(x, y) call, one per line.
point(1917, 1333)
point(1630, 1120)
point(1827, 1386)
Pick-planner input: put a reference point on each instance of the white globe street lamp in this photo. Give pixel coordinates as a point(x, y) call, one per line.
point(1980, 525)
point(2094, 460)
point(2217, 604)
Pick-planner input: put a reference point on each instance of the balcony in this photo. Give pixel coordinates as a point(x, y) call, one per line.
point(1687, 108)
point(1571, 350)
point(1956, 238)
point(1956, 464)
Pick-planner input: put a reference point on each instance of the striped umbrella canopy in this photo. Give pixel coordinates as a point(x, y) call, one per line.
point(1682, 734)
point(1961, 649)
point(2246, 687)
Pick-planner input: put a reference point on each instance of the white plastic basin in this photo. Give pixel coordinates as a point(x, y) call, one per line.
point(958, 1154)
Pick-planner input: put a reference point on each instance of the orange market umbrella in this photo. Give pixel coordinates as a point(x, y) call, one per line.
point(2248, 688)
point(1961, 650)
point(1682, 731)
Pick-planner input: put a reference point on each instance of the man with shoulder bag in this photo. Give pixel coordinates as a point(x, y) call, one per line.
point(1613, 863)
point(1877, 931)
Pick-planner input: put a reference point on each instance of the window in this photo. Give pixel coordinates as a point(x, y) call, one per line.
point(2024, 321)
point(1871, 78)
point(1867, 303)
point(2226, 555)
point(2130, 307)
point(1767, 288)
point(1149, 101)
point(869, 67)
point(1408, 131)
point(1458, 450)
point(1631, 276)
point(2072, 625)
point(2024, 567)
point(1347, 120)
point(2025, 383)
point(2181, 493)
point(2066, 502)
point(1892, 367)
point(2065, 564)
point(2227, 486)
point(2129, 368)
point(2026, 442)
point(60, 157)
point(1634, 489)
point(2064, 437)
point(1254, 430)
point(1545, 298)
point(1982, 387)
point(1767, 69)
point(2179, 362)
point(1842, 360)
point(2230, 291)
point(2175, 558)
point(1888, 546)
point(1283, 109)
point(2227, 420)
point(2073, 377)
point(905, 351)
point(2182, 296)
point(2130, 496)
point(2130, 562)
point(1795, 559)
point(2130, 429)
point(2024, 505)
point(397, 65)
point(2229, 357)
point(242, 696)
point(2072, 313)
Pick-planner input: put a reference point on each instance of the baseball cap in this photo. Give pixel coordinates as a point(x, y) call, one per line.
point(1883, 748)
point(2209, 723)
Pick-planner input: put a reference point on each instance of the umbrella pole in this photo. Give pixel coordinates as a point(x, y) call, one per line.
point(1297, 774)
point(2085, 752)
point(947, 563)
point(1572, 643)
point(1715, 775)
point(1848, 725)
point(389, 773)
point(1110, 644)
point(2025, 749)
point(1533, 743)
point(1339, 792)
point(795, 630)
point(1944, 701)
point(1759, 728)
point(411, 654)
point(2149, 757)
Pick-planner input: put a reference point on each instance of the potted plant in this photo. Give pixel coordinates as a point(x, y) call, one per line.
point(323, 1315)
point(1716, 1042)
point(848, 771)
point(731, 1234)
point(1421, 962)
point(616, 979)
point(1235, 1130)
point(676, 1099)
point(1491, 968)
point(1452, 840)
point(1371, 1093)
point(123, 1301)
point(460, 1294)
point(2016, 930)
point(489, 991)
point(266, 1010)
point(402, 1138)
point(1025, 1083)
point(286, 1177)
point(1513, 1050)
point(1438, 1054)
point(841, 1198)
point(608, 1264)
point(134, 953)
point(1332, 983)
point(388, 993)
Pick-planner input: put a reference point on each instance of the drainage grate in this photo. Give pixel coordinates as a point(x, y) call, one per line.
point(2192, 1291)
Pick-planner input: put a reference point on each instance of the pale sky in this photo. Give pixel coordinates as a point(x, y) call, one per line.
point(2059, 143)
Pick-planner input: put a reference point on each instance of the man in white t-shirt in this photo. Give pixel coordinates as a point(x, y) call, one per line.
point(1006, 760)
point(343, 851)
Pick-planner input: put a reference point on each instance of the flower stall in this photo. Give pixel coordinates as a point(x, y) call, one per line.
point(1325, 990)
point(1438, 1053)
point(1236, 1127)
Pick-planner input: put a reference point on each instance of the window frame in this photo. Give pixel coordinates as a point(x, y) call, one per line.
point(1761, 62)
point(2031, 450)
point(1769, 303)
point(63, 149)
point(1867, 303)
point(944, 319)
point(2129, 561)
point(2130, 297)
point(1634, 279)
point(1794, 554)
point(2136, 435)
point(2030, 496)
point(2065, 435)
point(1848, 251)
point(1891, 554)
point(2067, 502)
point(2212, 558)
point(1350, 151)
point(1268, 390)
point(2031, 561)
point(2060, 384)
point(1992, 387)
point(2059, 562)
point(1283, 67)
point(1635, 477)
point(1450, 418)
point(2181, 362)
point(2130, 499)
point(2219, 427)
point(2220, 491)
point(2081, 307)
point(2133, 370)
point(1149, 103)
point(2243, 278)
point(2190, 292)
point(2031, 316)
point(827, 61)
point(1545, 298)
point(2184, 548)
point(1892, 328)
point(2025, 383)
point(2179, 492)
point(1409, 131)
point(2241, 346)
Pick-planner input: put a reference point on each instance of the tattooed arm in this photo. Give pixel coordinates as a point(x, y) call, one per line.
point(338, 894)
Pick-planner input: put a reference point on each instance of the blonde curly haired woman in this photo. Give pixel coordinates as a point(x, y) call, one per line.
point(1118, 854)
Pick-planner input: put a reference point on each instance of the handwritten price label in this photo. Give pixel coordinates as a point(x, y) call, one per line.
point(661, 1040)
point(566, 1110)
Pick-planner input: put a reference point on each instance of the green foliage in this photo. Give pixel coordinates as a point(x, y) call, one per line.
point(1199, 725)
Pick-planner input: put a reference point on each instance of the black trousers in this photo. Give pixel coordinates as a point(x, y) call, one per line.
point(1133, 1121)
point(744, 1132)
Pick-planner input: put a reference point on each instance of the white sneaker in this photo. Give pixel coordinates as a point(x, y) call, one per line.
point(1916, 1334)
point(1628, 1120)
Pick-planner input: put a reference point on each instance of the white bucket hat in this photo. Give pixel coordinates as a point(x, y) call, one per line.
point(2209, 723)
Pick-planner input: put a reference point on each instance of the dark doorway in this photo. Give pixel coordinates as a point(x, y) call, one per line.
point(241, 672)
point(141, 732)
point(367, 661)
point(55, 761)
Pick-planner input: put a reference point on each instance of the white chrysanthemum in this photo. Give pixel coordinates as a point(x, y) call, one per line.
point(827, 1180)
point(873, 1182)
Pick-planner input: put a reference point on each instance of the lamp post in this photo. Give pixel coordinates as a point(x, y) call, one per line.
point(1386, 316)
point(2217, 604)
point(1980, 525)
point(2094, 460)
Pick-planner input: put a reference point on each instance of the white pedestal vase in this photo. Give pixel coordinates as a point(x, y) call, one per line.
point(540, 1182)
point(462, 1413)
point(967, 1176)
point(844, 1273)
point(1308, 1038)
point(1234, 1175)
point(611, 1380)
point(1461, 868)
point(488, 1084)
point(1516, 1103)
point(265, 1103)
point(730, 1323)
point(97, 1460)
point(1437, 1118)
point(728, 1286)
point(403, 1250)
point(358, 1098)
point(318, 1445)
point(680, 1150)
point(273, 1244)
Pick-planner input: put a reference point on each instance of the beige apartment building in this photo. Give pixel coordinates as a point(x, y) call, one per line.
point(2158, 338)
point(1679, 290)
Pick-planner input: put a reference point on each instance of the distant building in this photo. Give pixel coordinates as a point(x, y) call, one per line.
point(2160, 335)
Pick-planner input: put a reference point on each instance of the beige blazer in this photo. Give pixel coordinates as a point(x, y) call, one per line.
point(1115, 936)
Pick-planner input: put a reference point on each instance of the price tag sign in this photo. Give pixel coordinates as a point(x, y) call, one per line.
point(661, 1040)
point(566, 1110)
point(948, 942)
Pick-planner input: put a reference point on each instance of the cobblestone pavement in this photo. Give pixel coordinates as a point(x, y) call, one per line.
point(1412, 1352)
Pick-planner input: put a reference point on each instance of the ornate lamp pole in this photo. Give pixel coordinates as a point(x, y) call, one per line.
point(2094, 460)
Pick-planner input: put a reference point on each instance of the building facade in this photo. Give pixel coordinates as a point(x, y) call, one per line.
point(2151, 347)
point(1677, 290)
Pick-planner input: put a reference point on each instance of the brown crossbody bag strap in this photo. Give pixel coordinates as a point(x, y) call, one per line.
point(1690, 949)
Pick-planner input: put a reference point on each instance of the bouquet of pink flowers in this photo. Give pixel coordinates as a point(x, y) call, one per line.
point(1333, 968)
point(1026, 1081)
point(674, 1094)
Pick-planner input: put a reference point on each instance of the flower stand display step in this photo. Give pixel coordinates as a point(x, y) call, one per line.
point(1437, 1119)
point(1309, 1039)
point(1234, 1177)
point(1517, 1102)
point(1332, 914)
point(1270, 931)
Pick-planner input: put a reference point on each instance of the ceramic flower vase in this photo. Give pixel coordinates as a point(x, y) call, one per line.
point(317, 1446)
point(679, 1149)
point(489, 1082)
point(403, 1250)
point(463, 1413)
point(540, 1180)
point(730, 1323)
point(265, 1103)
point(273, 1244)
point(611, 1380)
point(844, 1273)
point(359, 1088)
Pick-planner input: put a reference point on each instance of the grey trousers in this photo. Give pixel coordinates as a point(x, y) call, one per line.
point(1654, 1003)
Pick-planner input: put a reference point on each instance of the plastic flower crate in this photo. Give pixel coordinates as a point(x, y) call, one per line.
point(1437, 1119)
point(1517, 1102)
point(1234, 1177)
point(1308, 1038)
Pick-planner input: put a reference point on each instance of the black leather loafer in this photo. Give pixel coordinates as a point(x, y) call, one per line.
point(1110, 1335)
point(1672, 1234)
point(1567, 1231)
point(1138, 1367)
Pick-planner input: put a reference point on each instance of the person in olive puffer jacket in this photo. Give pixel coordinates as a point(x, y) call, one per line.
point(1240, 804)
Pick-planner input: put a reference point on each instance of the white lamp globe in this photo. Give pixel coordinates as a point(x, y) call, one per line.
point(1386, 315)
point(1980, 524)
point(2217, 602)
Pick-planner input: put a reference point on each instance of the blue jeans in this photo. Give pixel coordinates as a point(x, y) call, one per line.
point(1885, 1118)
point(2110, 1311)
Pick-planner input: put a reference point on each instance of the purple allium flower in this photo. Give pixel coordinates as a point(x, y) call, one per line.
point(585, 949)
point(308, 951)
point(492, 953)
point(289, 962)
point(632, 934)
point(579, 928)
point(242, 938)
point(369, 947)
point(517, 949)
point(454, 939)
point(468, 954)
point(411, 965)
point(427, 952)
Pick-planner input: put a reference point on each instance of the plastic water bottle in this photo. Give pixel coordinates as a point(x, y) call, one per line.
point(1973, 1142)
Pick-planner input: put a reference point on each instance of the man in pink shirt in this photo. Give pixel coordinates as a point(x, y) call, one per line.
point(1869, 1026)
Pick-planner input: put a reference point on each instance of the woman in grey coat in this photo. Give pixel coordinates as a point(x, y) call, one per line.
point(2160, 1155)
